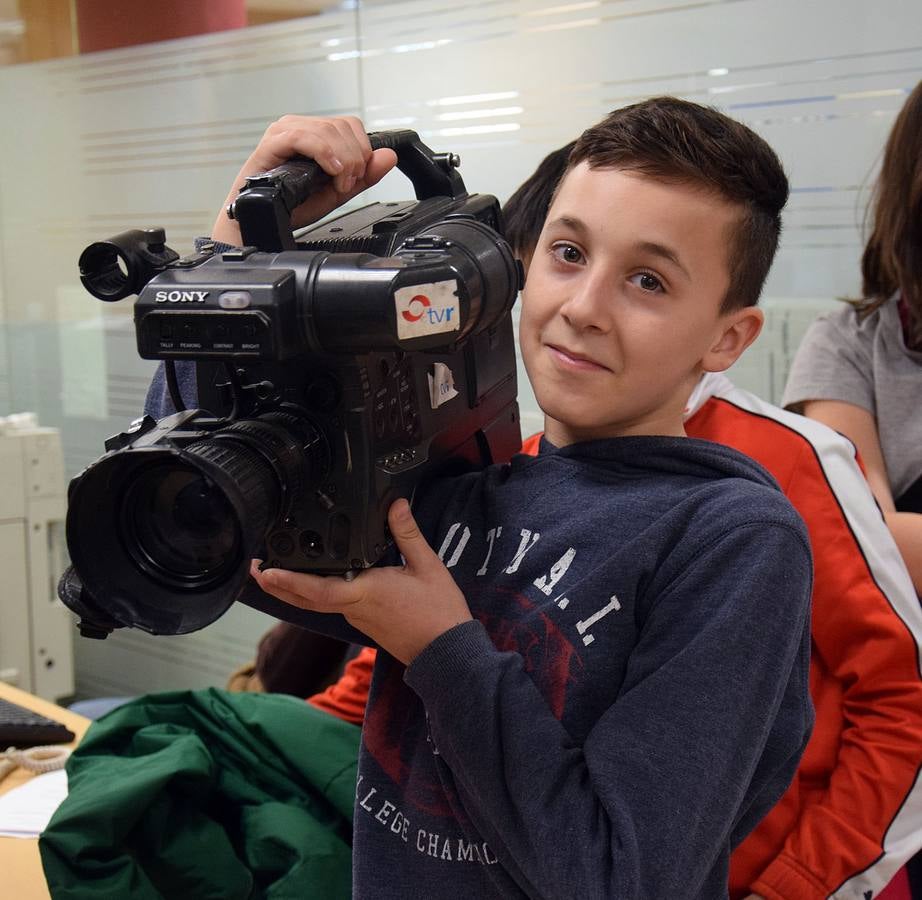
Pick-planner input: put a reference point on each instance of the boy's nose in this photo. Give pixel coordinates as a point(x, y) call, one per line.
point(587, 308)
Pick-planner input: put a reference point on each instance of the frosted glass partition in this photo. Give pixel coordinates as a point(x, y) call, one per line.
point(153, 135)
point(125, 139)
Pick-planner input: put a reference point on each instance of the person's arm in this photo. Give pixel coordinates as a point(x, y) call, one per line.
point(339, 145)
point(660, 785)
point(906, 528)
point(860, 427)
point(705, 733)
point(867, 627)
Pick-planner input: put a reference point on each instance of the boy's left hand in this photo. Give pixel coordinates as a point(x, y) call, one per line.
point(401, 609)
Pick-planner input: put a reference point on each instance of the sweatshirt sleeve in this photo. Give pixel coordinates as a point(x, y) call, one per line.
point(866, 629)
point(703, 737)
point(157, 403)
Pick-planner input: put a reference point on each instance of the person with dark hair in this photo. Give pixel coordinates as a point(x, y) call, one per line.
point(838, 828)
point(596, 684)
point(848, 822)
point(526, 209)
point(859, 369)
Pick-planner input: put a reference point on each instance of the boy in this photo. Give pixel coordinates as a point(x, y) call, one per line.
point(847, 823)
point(602, 688)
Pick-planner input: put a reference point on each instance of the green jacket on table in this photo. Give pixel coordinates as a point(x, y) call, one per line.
point(207, 794)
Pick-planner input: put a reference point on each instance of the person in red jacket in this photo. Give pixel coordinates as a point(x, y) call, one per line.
point(853, 815)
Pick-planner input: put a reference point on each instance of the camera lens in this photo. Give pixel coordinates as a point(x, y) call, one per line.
point(180, 527)
point(163, 534)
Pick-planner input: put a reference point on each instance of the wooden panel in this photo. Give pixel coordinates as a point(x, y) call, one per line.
point(49, 31)
point(19, 858)
point(103, 25)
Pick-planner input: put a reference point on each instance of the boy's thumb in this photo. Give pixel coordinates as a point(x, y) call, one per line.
point(409, 539)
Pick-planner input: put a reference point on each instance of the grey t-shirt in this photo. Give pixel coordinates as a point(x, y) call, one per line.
point(866, 363)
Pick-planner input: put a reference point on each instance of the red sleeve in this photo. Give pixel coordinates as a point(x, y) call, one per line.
point(857, 779)
point(850, 818)
point(347, 697)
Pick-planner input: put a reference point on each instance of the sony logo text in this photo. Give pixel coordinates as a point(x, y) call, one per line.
point(180, 296)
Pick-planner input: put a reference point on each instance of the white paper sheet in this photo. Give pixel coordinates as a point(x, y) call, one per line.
point(26, 810)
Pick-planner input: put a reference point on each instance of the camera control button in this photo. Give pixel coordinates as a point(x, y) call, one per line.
point(426, 242)
point(282, 544)
point(238, 254)
point(234, 299)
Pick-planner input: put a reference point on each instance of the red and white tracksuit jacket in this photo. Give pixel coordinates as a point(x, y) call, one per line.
point(853, 814)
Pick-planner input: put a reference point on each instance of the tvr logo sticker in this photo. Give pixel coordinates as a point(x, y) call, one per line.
point(424, 309)
point(417, 308)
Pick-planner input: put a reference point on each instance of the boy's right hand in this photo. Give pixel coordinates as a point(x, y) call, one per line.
point(339, 145)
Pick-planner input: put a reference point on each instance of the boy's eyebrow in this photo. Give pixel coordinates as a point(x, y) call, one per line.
point(651, 247)
point(663, 252)
point(569, 222)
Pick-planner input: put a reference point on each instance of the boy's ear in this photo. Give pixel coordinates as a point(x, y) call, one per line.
point(738, 329)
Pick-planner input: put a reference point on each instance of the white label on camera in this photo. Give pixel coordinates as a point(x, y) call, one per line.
point(424, 309)
point(441, 385)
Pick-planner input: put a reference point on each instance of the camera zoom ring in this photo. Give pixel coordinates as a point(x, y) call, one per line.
point(254, 479)
point(278, 447)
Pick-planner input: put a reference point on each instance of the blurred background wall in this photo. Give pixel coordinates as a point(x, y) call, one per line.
point(151, 127)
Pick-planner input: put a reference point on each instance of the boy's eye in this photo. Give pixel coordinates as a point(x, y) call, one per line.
point(567, 253)
point(647, 281)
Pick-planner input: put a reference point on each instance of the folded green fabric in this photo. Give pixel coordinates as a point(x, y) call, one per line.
point(207, 794)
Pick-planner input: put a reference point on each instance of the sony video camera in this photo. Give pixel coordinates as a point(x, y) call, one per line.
point(334, 373)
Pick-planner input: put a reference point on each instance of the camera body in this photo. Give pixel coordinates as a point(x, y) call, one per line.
point(334, 373)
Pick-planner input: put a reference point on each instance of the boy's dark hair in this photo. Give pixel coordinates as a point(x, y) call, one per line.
point(525, 211)
point(668, 138)
point(892, 259)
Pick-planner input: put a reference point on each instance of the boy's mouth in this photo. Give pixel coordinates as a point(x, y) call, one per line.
point(573, 360)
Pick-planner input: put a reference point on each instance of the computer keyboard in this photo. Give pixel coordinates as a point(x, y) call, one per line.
point(21, 727)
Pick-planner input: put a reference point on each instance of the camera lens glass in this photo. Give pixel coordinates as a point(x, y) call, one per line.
point(180, 527)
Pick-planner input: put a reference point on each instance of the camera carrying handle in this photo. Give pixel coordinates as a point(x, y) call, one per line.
point(264, 205)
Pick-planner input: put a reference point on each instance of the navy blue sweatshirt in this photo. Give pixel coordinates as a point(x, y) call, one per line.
point(629, 701)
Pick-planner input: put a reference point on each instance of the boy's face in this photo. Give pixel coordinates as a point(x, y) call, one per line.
point(621, 307)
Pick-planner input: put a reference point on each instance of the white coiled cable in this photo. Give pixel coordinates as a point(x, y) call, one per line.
point(34, 759)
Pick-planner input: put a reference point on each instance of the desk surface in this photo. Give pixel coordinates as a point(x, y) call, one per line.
point(19, 860)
